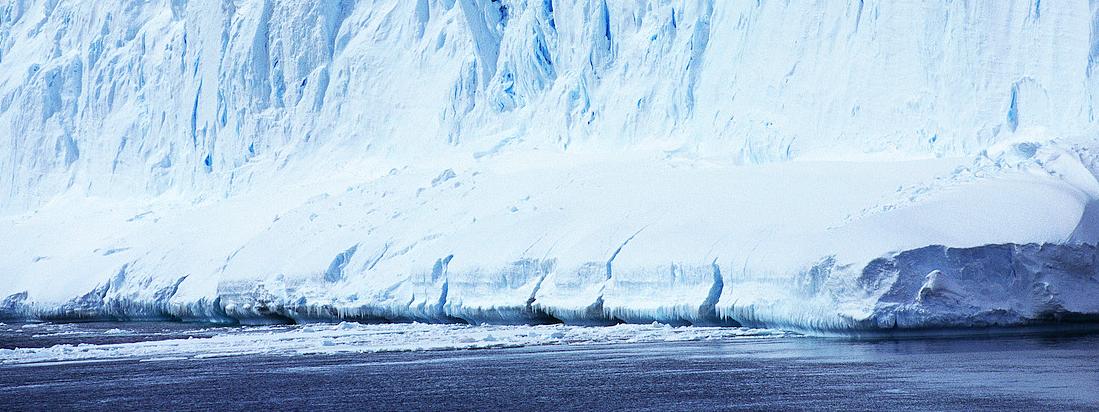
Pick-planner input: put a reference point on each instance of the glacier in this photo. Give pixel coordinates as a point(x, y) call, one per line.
point(821, 167)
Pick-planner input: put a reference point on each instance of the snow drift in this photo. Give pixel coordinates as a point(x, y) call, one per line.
point(839, 166)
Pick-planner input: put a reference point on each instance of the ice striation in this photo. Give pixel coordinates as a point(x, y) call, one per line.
point(845, 166)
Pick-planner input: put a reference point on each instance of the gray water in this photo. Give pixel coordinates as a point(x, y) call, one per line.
point(1040, 372)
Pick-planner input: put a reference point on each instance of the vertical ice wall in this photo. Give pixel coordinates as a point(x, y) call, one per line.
point(140, 98)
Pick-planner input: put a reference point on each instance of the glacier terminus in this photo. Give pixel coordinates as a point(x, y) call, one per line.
point(837, 167)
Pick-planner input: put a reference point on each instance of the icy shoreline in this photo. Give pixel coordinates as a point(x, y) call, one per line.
point(932, 288)
point(345, 337)
point(596, 242)
point(156, 341)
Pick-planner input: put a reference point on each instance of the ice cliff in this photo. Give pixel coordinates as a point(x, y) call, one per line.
point(821, 166)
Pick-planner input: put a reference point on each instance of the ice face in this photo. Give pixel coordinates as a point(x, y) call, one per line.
point(157, 97)
point(592, 162)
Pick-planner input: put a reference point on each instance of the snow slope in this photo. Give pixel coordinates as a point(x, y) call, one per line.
point(829, 166)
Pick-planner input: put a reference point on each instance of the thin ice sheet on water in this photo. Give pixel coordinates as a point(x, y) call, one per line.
point(350, 337)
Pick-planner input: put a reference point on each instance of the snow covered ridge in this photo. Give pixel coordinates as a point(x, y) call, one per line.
point(768, 164)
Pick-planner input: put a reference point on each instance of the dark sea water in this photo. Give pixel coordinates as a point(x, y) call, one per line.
point(1039, 372)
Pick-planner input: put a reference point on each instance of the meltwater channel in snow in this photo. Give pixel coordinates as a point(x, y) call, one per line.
point(821, 167)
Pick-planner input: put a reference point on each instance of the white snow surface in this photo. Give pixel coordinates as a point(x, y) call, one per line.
point(350, 337)
point(811, 166)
